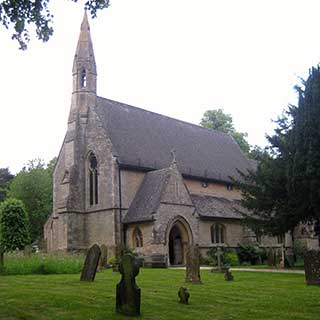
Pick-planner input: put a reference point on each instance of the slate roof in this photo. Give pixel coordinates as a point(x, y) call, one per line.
point(144, 139)
point(209, 207)
point(148, 197)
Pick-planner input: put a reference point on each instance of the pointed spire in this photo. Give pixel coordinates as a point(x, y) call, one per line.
point(84, 51)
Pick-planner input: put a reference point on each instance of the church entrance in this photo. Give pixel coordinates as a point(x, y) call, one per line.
point(178, 242)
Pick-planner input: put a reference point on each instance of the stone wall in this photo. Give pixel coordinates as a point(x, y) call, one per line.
point(233, 233)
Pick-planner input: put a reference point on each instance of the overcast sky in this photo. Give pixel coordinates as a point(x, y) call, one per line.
point(174, 57)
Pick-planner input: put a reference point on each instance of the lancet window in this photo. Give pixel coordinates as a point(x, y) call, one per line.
point(93, 179)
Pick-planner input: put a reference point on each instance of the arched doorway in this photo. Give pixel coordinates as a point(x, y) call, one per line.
point(178, 241)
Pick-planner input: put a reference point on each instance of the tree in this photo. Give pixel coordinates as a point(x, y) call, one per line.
point(284, 191)
point(220, 121)
point(33, 186)
point(5, 178)
point(13, 225)
point(20, 14)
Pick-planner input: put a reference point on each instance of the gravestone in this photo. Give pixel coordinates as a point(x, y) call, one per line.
point(184, 295)
point(91, 263)
point(228, 275)
point(1, 255)
point(103, 262)
point(128, 293)
point(27, 251)
point(271, 257)
point(193, 264)
point(312, 267)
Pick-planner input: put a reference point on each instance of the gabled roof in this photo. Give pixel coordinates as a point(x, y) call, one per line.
point(144, 139)
point(148, 197)
point(209, 207)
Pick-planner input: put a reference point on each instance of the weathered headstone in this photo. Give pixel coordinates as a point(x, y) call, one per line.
point(193, 264)
point(312, 267)
point(128, 293)
point(271, 257)
point(91, 263)
point(1, 255)
point(228, 275)
point(103, 262)
point(184, 295)
point(27, 251)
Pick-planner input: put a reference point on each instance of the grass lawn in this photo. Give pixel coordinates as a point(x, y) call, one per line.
point(251, 296)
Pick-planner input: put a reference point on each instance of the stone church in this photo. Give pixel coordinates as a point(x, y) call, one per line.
point(130, 177)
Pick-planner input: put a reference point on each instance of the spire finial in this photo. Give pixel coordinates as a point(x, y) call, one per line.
point(173, 154)
point(85, 22)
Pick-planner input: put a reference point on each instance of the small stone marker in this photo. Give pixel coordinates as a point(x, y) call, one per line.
point(103, 262)
point(128, 293)
point(91, 263)
point(228, 275)
point(312, 267)
point(193, 264)
point(27, 251)
point(184, 295)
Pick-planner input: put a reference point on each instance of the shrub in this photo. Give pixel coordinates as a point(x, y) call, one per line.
point(14, 225)
point(228, 257)
point(112, 261)
point(231, 259)
point(249, 253)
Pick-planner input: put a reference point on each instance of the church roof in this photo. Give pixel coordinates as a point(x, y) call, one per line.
point(209, 207)
point(144, 139)
point(148, 197)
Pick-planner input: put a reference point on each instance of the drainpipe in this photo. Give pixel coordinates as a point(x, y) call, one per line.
point(122, 228)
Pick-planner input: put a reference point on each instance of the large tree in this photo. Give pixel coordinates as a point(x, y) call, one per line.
point(33, 186)
point(223, 122)
point(5, 178)
point(19, 15)
point(285, 189)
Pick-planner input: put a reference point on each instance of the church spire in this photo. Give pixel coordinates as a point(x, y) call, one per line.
point(84, 65)
point(84, 73)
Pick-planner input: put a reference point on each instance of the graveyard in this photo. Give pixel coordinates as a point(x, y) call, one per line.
point(251, 295)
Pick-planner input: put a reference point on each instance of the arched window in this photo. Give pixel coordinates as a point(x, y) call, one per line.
point(217, 233)
point(137, 238)
point(83, 78)
point(93, 179)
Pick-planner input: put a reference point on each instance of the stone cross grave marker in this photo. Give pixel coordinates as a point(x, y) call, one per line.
point(91, 263)
point(193, 264)
point(128, 294)
point(312, 267)
point(103, 262)
point(184, 295)
point(219, 253)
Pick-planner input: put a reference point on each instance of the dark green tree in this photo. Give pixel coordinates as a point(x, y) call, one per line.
point(33, 186)
point(14, 232)
point(223, 122)
point(5, 178)
point(285, 189)
point(19, 15)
